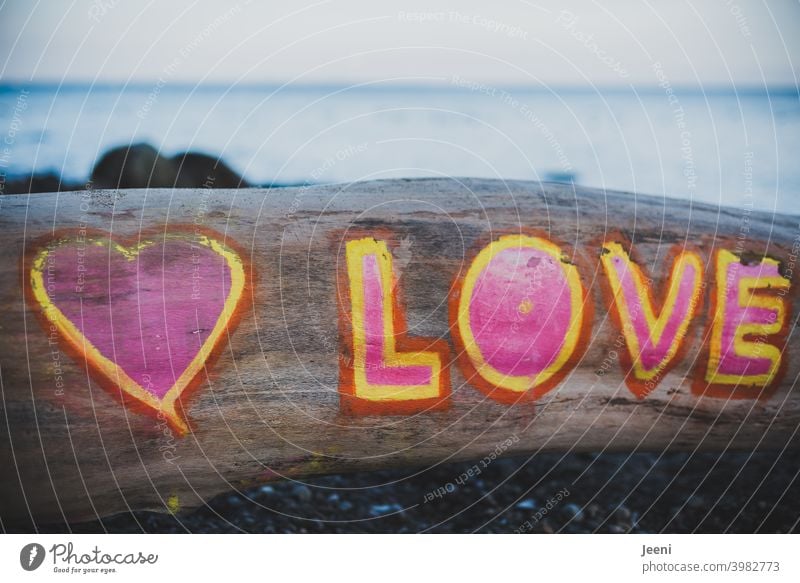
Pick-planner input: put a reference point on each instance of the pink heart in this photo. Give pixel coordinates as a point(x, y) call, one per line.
point(146, 317)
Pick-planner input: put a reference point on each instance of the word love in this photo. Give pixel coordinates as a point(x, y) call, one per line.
point(521, 318)
point(149, 315)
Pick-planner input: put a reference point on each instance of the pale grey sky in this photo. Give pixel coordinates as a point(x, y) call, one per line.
point(724, 42)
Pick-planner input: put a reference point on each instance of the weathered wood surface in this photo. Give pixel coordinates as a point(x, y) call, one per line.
point(270, 406)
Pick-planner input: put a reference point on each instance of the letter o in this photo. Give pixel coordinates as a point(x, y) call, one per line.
point(526, 281)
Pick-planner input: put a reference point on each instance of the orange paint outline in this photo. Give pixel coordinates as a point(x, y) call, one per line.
point(583, 334)
point(638, 380)
point(104, 371)
point(399, 344)
point(759, 297)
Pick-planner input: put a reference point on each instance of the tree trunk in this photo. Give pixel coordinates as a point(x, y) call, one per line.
point(245, 301)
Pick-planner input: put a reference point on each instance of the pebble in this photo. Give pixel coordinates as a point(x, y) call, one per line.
point(573, 512)
point(695, 502)
point(302, 492)
point(380, 509)
point(593, 510)
point(616, 529)
point(622, 514)
point(527, 504)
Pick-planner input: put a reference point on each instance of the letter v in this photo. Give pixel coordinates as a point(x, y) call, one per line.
point(653, 341)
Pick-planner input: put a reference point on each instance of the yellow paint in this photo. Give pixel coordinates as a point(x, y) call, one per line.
point(519, 383)
point(356, 251)
point(109, 369)
point(173, 504)
point(745, 348)
point(655, 324)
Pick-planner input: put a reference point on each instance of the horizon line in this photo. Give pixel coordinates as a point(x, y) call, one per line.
point(784, 88)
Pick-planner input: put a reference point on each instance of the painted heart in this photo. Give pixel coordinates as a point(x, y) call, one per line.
point(146, 317)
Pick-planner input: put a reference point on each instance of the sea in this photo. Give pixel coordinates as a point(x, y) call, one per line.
point(737, 148)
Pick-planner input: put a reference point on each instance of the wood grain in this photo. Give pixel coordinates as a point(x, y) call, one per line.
point(269, 407)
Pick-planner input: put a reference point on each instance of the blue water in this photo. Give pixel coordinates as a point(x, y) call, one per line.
point(721, 147)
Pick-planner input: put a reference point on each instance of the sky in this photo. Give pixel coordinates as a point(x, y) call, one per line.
point(511, 42)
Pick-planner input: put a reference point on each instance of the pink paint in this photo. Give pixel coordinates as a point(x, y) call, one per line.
point(378, 371)
point(520, 311)
point(735, 315)
point(149, 314)
point(652, 355)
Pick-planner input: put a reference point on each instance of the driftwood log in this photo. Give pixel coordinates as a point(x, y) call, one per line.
point(271, 389)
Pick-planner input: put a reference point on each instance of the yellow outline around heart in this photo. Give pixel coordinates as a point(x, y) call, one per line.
point(110, 371)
